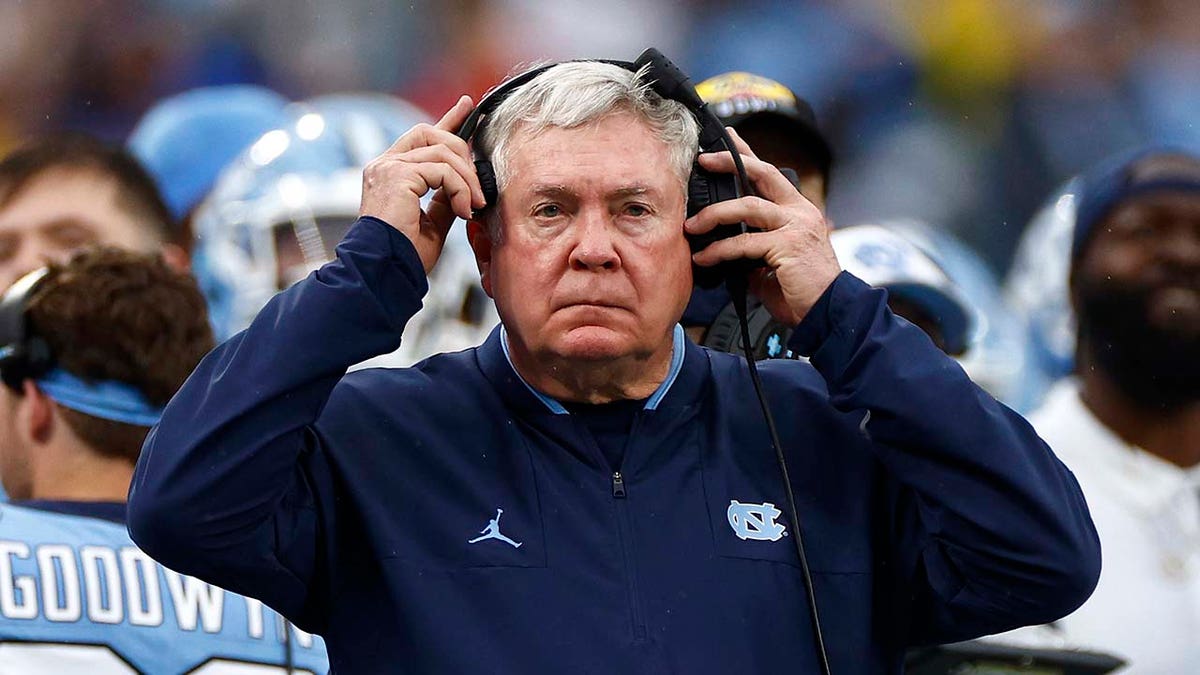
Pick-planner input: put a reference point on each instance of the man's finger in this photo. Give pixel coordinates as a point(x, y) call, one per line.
point(440, 153)
point(767, 179)
point(456, 115)
point(740, 143)
point(754, 211)
point(425, 134)
point(457, 192)
point(745, 246)
point(440, 211)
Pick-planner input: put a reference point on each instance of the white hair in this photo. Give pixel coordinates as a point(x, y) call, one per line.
point(573, 94)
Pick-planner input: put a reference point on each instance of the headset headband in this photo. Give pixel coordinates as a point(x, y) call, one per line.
point(664, 77)
point(496, 96)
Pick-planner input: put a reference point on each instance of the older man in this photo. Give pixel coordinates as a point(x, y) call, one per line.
point(587, 491)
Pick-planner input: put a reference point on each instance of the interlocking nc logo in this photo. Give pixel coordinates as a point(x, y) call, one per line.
point(755, 521)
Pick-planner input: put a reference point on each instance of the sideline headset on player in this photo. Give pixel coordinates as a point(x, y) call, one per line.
point(703, 189)
point(23, 355)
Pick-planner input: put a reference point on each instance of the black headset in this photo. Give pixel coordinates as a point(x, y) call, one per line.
point(704, 187)
point(23, 354)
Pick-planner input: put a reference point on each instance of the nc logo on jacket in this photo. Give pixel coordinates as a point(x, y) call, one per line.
point(755, 521)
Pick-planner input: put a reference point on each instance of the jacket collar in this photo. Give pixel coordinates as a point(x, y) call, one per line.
point(682, 386)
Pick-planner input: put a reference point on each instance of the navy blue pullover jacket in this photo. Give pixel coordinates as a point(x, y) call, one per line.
point(349, 502)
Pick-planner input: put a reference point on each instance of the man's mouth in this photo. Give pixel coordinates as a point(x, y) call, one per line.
point(602, 304)
point(1175, 305)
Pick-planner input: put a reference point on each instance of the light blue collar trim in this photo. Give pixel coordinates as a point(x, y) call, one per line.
point(554, 406)
point(108, 399)
point(677, 349)
point(678, 346)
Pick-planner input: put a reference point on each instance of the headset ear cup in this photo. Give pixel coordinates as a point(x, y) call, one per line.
point(14, 367)
point(27, 361)
point(487, 181)
point(698, 192)
point(11, 369)
point(706, 188)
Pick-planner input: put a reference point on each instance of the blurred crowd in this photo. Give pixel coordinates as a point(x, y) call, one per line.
point(964, 113)
point(962, 149)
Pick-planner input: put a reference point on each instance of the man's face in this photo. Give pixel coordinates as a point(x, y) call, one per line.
point(58, 213)
point(775, 144)
point(592, 262)
point(1137, 294)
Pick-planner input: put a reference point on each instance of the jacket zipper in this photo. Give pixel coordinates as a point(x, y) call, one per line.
point(624, 533)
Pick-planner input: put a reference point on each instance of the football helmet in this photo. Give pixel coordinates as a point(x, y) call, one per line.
point(279, 210)
point(1037, 285)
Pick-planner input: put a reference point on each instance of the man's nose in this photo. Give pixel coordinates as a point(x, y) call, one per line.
point(594, 249)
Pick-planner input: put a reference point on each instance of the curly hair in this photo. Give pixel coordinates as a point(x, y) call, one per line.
point(110, 314)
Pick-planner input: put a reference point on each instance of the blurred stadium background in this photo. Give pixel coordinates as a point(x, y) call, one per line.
point(962, 113)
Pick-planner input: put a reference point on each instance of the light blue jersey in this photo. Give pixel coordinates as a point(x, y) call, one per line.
point(77, 597)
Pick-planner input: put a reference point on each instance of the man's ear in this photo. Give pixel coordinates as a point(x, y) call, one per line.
point(35, 414)
point(481, 244)
point(176, 258)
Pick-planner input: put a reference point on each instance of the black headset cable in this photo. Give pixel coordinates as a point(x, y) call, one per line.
point(738, 286)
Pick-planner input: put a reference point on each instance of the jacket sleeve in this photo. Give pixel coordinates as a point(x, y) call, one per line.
point(989, 530)
point(231, 485)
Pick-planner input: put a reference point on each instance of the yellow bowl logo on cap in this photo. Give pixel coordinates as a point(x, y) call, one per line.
point(741, 93)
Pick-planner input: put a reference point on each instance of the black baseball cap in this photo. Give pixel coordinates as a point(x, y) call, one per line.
point(738, 96)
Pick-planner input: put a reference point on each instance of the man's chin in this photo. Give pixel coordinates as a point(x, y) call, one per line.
point(593, 343)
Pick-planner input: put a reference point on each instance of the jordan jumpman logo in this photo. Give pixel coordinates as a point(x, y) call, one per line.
point(492, 531)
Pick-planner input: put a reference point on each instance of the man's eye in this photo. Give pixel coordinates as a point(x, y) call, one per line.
point(637, 210)
point(548, 211)
point(71, 237)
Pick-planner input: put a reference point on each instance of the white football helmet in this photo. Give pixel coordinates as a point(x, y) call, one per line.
point(887, 259)
point(1037, 285)
point(279, 210)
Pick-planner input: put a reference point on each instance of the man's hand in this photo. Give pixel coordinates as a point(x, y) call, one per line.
point(427, 156)
point(794, 239)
